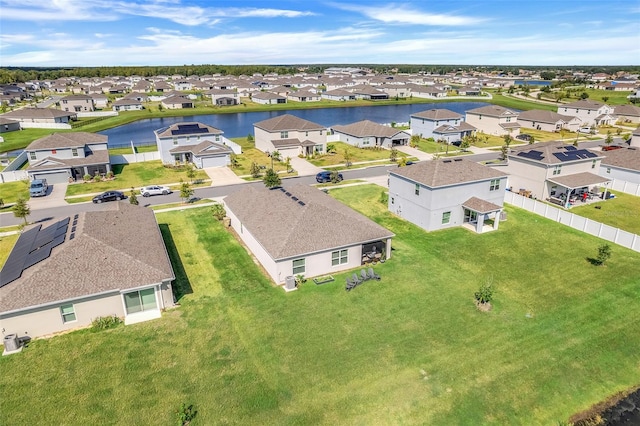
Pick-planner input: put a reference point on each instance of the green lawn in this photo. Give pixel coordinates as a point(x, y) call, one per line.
point(410, 349)
point(135, 175)
point(127, 150)
point(357, 155)
point(6, 244)
point(621, 212)
point(11, 191)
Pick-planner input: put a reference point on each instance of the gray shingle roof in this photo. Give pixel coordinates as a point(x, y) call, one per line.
point(626, 158)
point(288, 229)
point(437, 114)
point(447, 172)
point(99, 156)
point(287, 122)
point(481, 206)
point(366, 128)
point(66, 140)
point(113, 249)
point(578, 180)
point(28, 113)
point(493, 111)
point(544, 116)
point(203, 149)
point(584, 104)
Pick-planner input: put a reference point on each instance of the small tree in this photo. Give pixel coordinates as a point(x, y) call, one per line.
point(271, 179)
point(484, 296)
point(503, 152)
point(507, 140)
point(393, 155)
point(465, 143)
point(287, 164)
point(276, 155)
point(532, 140)
point(255, 170)
point(605, 99)
point(133, 199)
point(604, 253)
point(185, 191)
point(160, 107)
point(334, 176)
point(609, 138)
point(415, 140)
point(191, 172)
point(233, 161)
point(21, 209)
point(402, 162)
point(250, 138)
point(584, 95)
point(347, 157)
point(217, 210)
point(331, 148)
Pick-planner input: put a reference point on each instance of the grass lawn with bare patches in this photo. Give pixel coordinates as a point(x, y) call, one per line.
point(409, 349)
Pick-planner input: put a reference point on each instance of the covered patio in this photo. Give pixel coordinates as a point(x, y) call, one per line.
point(480, 215)
point(569, 190)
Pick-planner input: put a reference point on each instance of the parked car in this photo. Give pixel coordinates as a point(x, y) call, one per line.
point(38, 188)
point(109, 196)
point(325, 176)
point(611, 147)
point(584, 130)
point(147, 191)
point(524, 137)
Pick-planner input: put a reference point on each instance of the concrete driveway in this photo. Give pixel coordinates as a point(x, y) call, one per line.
point(54, 198)
point(414, 152)
point(221, 176)
point(303, 167)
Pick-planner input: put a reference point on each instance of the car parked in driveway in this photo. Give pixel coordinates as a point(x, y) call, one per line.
point(147, 191)
point(584, 130)
point(524, 137)
point(109, 196)
point(38, 188)
point(325, 176)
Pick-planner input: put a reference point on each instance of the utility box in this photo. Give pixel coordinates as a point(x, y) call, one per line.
point(290, 283)
point(11, 344)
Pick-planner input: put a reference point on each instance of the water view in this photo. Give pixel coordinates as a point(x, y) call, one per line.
point(241, 124)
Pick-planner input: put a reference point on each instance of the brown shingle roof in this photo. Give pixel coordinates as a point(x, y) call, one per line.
point(28, 113)
point(493, 111)
point(113, 249)
point(544, 116)
point(578, 180)
point(481, 206)
point(99, 156)
point(437, 114)
point(66, 140)
point(447, 172)
point(626, 158)
point(287, 122)
point(366, 128)
point(285, 228)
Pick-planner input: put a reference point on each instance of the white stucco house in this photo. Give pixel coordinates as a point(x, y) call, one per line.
point(590, 112)
point(548, 121)
point(196, 143)
point(66, 272)
point(621, 164)
point(127, 104)
point(302, 230)
point(554, 171)
point(445, 193)
point(494, 120)
point(367, 134)
point(440, 124)
point(290, 135)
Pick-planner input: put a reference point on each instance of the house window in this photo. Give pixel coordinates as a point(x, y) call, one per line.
point(480, 117)
point(284, 135)
point(217, 138)
point(446, 217)
point(417, 190)
point(365, 141)
point(495, 185)
point(339, 257)
point(393, 200)
point(557, 170)
point(64, 101)
point(608, 169)
point(298, 266)
point(317, 148)
point(175, 141)
point(508, 119)
point(74, 152)
point(593, 164)
point(68, 313)
point(188, 138)
point(140, 301)
point(306, 133)
point(32, 155)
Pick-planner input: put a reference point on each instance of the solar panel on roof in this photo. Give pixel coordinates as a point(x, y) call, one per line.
point(187, 129)
point(570, 148)
point(532, 155)
point(64, 222)
point(60, 231)
point(37, 256)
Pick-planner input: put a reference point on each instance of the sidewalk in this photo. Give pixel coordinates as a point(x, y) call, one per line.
point(414, 152)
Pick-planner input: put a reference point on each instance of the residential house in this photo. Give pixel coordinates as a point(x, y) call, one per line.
point(223, 97)
point(8, 125)
point(64, 273)
point(367, 134)
point(196, 143)
point(77, 103)
point(364, 91)
point(590, 112)
point(494, 120)
point(554, 171)
point(290, 135)
point(303, 231)
point(635, 138)
point(304, 96)
point(268, 98)
point(627, 113)
point(469, 91)
point(124, 104)
point(440, 124)
point(432, 91)
point(444, 193)
point(41, 117)
point(100, 101)
point(548, 121)
point(338, 95)
point(177, 102)
point(621, 164)
point(63, 156)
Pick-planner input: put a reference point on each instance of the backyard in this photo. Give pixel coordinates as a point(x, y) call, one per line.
point(621, 212)
point(337, 156)
point(409, 349)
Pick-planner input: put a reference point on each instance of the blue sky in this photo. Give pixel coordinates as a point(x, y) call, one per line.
point(177, 32)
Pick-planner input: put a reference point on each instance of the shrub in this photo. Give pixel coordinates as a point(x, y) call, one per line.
point(255, 170)
point(217, 210)
point(185, 414)
point(604, 253)
point(384, 198)
point(105, 323)
point(86, 177)
point(485, 293)
point(110, 174)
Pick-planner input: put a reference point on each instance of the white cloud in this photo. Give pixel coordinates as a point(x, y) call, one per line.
point(401, 14)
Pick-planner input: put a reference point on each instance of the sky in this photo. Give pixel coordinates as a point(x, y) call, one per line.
point(77, 33)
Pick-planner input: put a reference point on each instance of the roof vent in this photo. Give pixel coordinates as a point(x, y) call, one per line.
point(288, 194)
point(301, 203)
point(457, 159)
point(294, 198)
point(446, 161)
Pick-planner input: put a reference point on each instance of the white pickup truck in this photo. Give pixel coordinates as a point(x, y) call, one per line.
point(38, 188)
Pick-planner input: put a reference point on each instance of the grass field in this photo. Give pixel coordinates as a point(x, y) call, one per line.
point(6, 244)
point(135, 175)
point(357, 155)
point(410, 349)
point(622, 212)
point(11, 191)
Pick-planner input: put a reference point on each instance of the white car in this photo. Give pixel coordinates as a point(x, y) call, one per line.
point(147, 191)
point(584, 130)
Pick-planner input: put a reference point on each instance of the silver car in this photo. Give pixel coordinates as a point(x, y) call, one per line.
point(147, 191)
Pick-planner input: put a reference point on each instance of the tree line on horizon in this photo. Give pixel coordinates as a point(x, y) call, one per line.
point(22, 74)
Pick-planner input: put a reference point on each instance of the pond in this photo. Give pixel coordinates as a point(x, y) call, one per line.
point(241, 124)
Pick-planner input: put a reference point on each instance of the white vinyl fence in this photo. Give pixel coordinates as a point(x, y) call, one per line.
point(626, 187)
point(134, 158)
point(11, 172)
point(597, 229)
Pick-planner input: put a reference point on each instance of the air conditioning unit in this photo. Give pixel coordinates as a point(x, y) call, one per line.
point(290, 283)
point(11, 343)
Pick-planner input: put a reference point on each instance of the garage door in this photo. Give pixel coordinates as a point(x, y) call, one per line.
point(221, 161)
point(53, 177)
